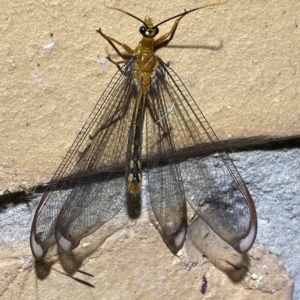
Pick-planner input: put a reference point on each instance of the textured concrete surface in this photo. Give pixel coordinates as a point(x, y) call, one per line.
point(239, 61)
point(134, 263)
point(273, 179)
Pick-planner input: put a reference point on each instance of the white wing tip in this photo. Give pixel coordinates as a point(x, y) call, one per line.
point(36, 248)
point(245, 244)
point(65, 244)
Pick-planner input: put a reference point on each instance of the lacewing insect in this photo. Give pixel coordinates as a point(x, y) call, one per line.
point(131, 128)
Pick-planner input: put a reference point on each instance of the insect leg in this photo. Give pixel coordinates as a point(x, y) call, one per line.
point(167, 37)
point(124, 46)
point(116, 63)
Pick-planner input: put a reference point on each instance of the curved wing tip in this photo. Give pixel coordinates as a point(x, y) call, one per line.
point(177, 240)
point(36, 248)
point(65, 244)
point(245, 244)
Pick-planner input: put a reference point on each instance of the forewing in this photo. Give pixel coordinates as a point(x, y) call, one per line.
point(165, 186)
point(82, 195)
point(163, 173)
point(178, 147)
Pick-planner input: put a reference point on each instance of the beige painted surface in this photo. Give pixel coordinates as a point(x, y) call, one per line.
point(248, 87)
point(134, 263)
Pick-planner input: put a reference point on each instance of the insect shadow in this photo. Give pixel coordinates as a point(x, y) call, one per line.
point(202, 241)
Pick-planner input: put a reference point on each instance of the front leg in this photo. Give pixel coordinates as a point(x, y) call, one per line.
point(111, 41)
point(165, 39)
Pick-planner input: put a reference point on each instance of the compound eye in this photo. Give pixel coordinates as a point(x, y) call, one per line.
point(143, 30)
point(156, 30)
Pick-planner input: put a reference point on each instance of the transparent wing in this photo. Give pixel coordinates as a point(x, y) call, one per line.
point(82, 195)
point(179, 168)
point(163, 173)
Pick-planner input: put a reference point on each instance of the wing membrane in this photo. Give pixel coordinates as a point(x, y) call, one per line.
point(212, 185)
point(82, 195)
